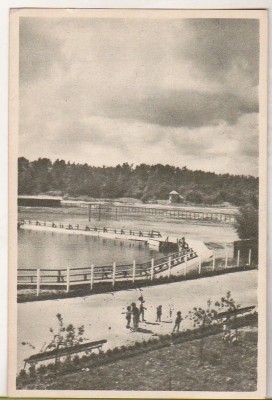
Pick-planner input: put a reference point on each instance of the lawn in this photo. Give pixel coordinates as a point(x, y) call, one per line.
point(224, 367)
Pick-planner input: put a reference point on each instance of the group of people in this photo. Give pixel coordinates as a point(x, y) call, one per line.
point(135, 315)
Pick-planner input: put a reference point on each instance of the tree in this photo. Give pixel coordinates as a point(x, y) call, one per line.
point(194, 197)
point(247, 222)
point(142, 181)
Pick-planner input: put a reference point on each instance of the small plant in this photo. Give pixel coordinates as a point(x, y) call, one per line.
point(22, 374)
point(202, 318)
point(42, 370)
point(32, 371)
point(76, 360)
point(65, 336)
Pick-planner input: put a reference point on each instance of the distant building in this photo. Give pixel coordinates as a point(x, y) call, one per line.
point(175, 197)
point(39, 201)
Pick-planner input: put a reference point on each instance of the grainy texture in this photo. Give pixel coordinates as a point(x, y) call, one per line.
point(225, 367)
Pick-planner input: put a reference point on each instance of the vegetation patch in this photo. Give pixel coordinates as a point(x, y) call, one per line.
point(169, 362)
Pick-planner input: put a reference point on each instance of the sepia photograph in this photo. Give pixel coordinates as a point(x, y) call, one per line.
point(137, 203)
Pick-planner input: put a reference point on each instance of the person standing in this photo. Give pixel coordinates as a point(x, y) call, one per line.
point(135, 316)
point(128, 316)
point(177, 322)
point(142, 310)
point(159, 313)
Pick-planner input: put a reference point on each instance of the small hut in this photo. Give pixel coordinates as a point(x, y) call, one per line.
point(175, 197)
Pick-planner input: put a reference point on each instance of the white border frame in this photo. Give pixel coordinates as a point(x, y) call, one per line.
point(4, 10)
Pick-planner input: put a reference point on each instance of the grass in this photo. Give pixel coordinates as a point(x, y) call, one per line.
point(224, 367)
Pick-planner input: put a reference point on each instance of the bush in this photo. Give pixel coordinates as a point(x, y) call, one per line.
point(32, 371)
point(42, 369)
point(22, 374)
point(247, 222)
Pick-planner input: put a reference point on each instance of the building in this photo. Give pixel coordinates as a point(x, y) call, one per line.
point(39, 201)
point(175, 197)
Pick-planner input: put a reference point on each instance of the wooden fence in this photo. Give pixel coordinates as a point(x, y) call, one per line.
point(86, 228)
point(187, 260)
point(100, 211)
point(67, 277)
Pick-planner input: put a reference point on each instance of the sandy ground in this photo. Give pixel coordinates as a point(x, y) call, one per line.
point(102, 314)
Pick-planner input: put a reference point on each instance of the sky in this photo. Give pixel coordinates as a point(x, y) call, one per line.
point(106, 91)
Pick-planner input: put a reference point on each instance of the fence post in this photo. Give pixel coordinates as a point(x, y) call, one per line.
point(90, 212)
point(113, 273)
point(152, 269)
point(186, 263)
point(68, 280)
point(38, 281)
point(199, 265)
point(238, 258)
point(226, 260)
point(92, 276)
point(213, 262)
point(249, 257)
point(169, 267)
point(133, 270)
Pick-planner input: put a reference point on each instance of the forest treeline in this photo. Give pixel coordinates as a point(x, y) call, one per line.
point(144, 182)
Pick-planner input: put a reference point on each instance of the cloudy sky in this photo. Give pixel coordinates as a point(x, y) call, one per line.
point(108, 91)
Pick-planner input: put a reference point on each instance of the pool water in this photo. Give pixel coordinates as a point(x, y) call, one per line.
point(56, 250)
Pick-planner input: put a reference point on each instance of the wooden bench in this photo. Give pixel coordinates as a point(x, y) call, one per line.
point(233, 313)
point(61, 352)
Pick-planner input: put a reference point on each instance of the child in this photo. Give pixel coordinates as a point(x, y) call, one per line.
point(177, 321)
point(135, 315)
point(159, 313)
point(142, 308)
point(128, 317)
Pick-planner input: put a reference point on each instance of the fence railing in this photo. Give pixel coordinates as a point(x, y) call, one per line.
point(99, 210)
point(88, 228)
point(68, 277)
point(187, 261)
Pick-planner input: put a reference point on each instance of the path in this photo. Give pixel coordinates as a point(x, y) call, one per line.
point(102, 314)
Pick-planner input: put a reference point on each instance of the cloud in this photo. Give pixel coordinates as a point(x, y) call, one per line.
point(181, 108)
point(39, 51)
point(182, 92)
point(218, 45)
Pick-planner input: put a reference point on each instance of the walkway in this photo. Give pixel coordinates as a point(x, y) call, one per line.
point(102, 314)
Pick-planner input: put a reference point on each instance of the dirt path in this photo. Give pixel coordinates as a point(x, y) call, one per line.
point(102, 314)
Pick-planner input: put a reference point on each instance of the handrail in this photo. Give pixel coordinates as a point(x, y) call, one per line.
point(86, 228)
point(102, 273)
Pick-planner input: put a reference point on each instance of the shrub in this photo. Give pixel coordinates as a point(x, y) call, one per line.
point(32, 371)
point(42, 369)
point(22, 374)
